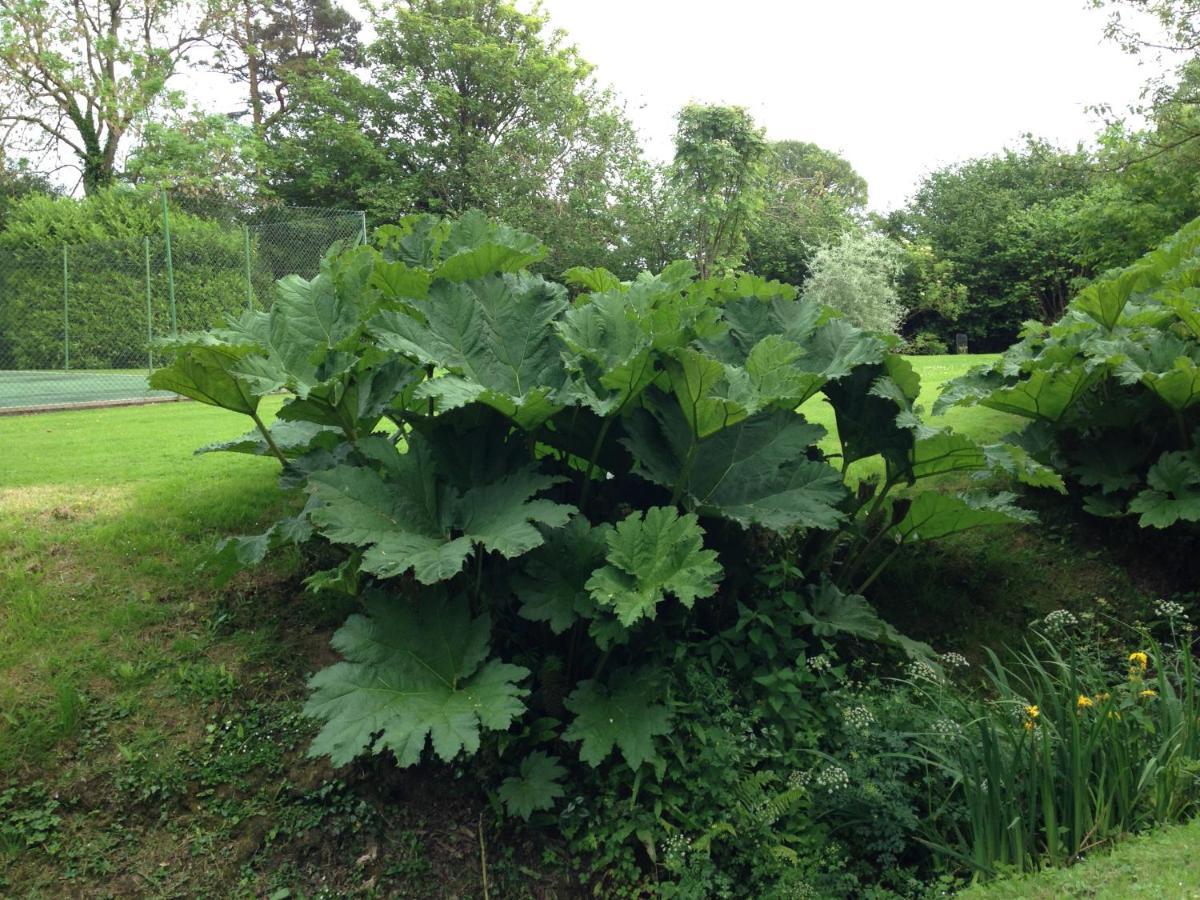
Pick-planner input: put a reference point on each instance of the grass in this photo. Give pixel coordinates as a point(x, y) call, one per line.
point(105, 521)
point(1161, 865)
point(983, 424)
point(149, 735)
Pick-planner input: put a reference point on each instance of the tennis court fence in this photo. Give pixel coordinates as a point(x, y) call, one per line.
point(79, 322)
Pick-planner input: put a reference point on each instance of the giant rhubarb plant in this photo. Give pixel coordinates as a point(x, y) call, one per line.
point(514, 480)
point(1111, 392)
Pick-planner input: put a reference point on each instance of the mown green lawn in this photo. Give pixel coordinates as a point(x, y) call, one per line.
point(1164, 865)
point(148, 717)
point(106, 519)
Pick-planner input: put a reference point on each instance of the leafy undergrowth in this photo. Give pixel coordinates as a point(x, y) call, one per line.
point(187, 777)
point(150, 742)
point(1163, 864)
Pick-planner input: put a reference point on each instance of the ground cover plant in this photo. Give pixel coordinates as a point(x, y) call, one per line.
point(1111, 391)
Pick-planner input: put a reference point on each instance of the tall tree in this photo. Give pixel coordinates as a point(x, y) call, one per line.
point(473, 103)
point(719, 164)
point(340, 142)
point(207, 160)
point(993, 220)
point(266, 44)
point(76, 75)
point(488, 99)
point(812, 196)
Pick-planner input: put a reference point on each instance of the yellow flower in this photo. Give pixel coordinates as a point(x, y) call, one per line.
point(1103, 697)
point(1139, 659)
point(1029, 725)
point(1032, 712)
point(1148, 693)
point(1084, 702)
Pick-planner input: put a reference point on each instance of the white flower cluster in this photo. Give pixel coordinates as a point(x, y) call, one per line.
point(1169, 609)
point(1060, 619)
point(676, 847)
point(859, 718)
point(833, 779)
point(820, 663)
point(1020, 709)
point(947, 729)
point(954, 660)
point(919, 670)
point(799, 778)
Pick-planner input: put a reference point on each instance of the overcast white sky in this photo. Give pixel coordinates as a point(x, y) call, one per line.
point(899, 88)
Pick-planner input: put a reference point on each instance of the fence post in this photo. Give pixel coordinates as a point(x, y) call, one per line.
point(66, 314)
point(362, 226)
point(149, 309)
point(166, 217)
point(249, 282)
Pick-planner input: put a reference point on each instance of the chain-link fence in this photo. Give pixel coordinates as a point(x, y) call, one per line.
point(79, 321)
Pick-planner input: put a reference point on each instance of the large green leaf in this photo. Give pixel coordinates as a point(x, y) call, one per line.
point(1105, 299)
point(944, 451)
point(595, 280)
point(412, 672)
point(413, 520)
point(475, 247)
point(651, 557)
point(301, 335)
point(535, 788)
point(292, 439)
point(1046, 394)
point(933, 515)
point(608, 352)
point(1015, 461)
point(208, 374)
point(627, 716)
point(711, 395)
point(494, 338)
point(868, 404)
point(552, 584)
point(775, 370)
point(756, 472)
point(1174, 492)
point(831, 612)
point(1168, 366)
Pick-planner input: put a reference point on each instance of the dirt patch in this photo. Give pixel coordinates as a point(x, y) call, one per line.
point(54, 505)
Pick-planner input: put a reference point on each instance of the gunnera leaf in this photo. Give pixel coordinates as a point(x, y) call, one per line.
point(208, 374)
point(413, 671)
point(1174, 492)
point(495, 339)
point(933, 515)
point(552, 584)
point(651, 557)
point(755, 472)
point(536, 788)
point(626, 715)
point(413, 520)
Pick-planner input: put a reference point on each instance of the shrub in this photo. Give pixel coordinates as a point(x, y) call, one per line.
point(103, 238)
point(926, 343)
point(550, 510)
point(857, 277)
point(1112, 391)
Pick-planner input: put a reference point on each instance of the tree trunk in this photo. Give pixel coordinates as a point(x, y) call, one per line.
point(253, 75)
